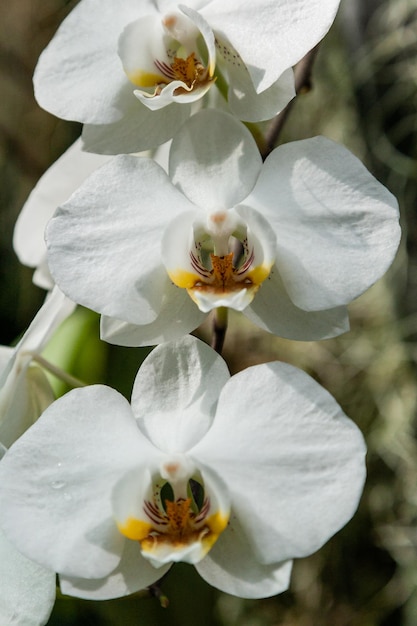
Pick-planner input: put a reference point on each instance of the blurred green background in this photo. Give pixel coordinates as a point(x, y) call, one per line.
point(364, 95)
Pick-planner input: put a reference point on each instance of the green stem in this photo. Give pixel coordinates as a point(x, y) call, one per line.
point(219, 328)
point(57, 371)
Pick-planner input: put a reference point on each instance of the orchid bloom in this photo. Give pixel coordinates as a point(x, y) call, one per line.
point(53, 188)
point(27, 590)
point(56, 185)
point(131, 71)
point(289, 242)
point(116, 493)
point(24, 388)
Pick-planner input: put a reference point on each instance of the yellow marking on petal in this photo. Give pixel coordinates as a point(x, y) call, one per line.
point(135, 529)
point(216, 524)
point(183, 279)
point(258, 274)
point(223, 277)
point(147, 79)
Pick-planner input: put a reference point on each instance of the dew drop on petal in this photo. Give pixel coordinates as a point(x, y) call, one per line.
point(57, 484)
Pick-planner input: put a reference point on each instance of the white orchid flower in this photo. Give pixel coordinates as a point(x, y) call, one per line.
point(169, 55)
point(53, 188)
point(27, 590)
point(235, 475)
point(290, 242)
point(56, 185)
point(24, 388)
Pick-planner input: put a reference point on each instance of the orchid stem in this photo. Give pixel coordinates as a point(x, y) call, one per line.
point(58, 372)
point(219, 328)
point(302, 76)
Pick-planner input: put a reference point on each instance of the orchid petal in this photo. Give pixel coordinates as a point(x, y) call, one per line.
point(274, 36)
point(178, 316)
point(24, 396)
point(243, 99)
point(24, 389)
point(249, 106)
point(214, 160)
point(337, 226)
point(139, 128)
point(27, 591)
point(58, 479)
point(232, 567)
point(118, 214)
point(273, 311)
point(292, 461)
point(83, 81)
point(132, 574)
point(52, 189)
point(175, 393)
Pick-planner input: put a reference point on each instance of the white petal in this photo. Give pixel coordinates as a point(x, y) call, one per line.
point(109, 233)
point(273, 35)
point(337, 227)
point(243, 99)
point(42, 276)
point(53, 312)
point(293, 463)
point(59, 475)
point(175, 393)
point(79, 76)
point(138, 129)
point(214, 160)
point(52, 189)
point(24, 396)
point(141, 44)
point(169, 96)
point(238, 300)
point(25, 390)
point(132, 574)
point(27, 590)
point(272, 310)
point(232, 567)
point(178, 316)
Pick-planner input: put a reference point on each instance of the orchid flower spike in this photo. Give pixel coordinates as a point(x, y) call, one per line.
point(27, 590)
point(289, 242)
point(229, 474)
point(24, 388)
point(131, 71)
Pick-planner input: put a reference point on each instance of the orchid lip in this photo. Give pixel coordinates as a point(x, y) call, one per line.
point(168, 54)
point(180, 518)
point(224, 265)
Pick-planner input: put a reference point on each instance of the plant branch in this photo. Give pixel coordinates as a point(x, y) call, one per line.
point(219, 329)
point(303, 84)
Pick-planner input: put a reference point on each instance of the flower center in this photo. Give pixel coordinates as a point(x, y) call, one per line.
point(190, 71)
point(156, 53)
point(180, 521)
point(226, 264)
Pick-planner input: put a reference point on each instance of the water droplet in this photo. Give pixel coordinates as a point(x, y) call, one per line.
point(67, 496)
point(57, 484)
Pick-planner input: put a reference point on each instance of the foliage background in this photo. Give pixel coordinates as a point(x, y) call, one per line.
point(364, 95)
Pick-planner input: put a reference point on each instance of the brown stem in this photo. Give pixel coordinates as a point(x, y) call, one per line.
point(302, 76)
point(219, 329)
